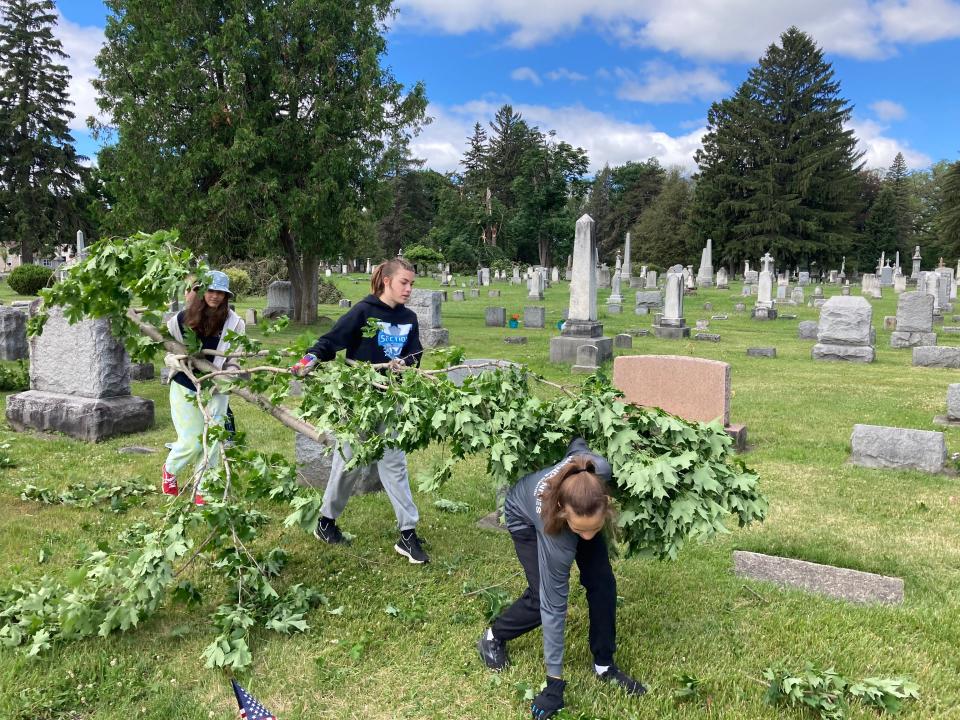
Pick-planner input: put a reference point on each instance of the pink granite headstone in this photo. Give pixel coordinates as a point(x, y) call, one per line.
point(689, 387)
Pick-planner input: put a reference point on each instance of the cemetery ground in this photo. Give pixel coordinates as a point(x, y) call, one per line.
point(397, 641)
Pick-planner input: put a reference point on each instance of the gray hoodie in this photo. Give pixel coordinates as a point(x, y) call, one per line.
point(555, 553)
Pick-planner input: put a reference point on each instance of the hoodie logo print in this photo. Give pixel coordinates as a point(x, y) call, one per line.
point(392, 338)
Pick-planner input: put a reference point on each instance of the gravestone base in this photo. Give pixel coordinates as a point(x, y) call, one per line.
point(849, 353)
point(315, 459)
point(739, 435)
point(272, 313)
point(87, 419)
point(671, 332)
point(763, 313)
point(564, 348)
point(434, 337)
point(614, 309)
point(900, 339)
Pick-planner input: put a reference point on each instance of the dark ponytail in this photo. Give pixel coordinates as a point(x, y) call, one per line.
point(387, 269)
point(576, 487)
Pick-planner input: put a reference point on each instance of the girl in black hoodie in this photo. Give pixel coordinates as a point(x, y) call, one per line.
point(396, 342)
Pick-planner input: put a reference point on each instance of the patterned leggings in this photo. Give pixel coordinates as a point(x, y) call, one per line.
point(188, 421)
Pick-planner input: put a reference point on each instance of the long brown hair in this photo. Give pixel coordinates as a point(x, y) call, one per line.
point(204, 320)
point(386, 269)
point(575, 487)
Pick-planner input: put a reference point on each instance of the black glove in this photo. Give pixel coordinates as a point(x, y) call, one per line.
point(550, 700)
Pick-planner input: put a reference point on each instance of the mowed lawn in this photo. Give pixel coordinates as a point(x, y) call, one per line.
point(691, 616)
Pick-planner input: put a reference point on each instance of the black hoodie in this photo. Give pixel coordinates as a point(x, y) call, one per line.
point(399, 335)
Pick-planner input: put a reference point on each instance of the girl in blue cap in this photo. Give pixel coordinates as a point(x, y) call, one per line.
point(209, 317)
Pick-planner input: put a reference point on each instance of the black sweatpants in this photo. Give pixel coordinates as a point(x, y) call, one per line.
point(597, 578)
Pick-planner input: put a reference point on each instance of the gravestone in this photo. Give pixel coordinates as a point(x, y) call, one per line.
point(534, 288)
point(582, 327)
point(474, 293)
point(875, 446)
point(845, 331)
point(803, 278)
point(796, 296)
point(953, 401)
point(647, 300)
point(705, 271)
point(723, 281)
point(627, 269)
point(623, 340)
point(937, 357)
point(850, 585)
point(142, 371)
point(484, 278)
point(515, 340)
point(426, 304)
point(279, 299)
point(496, 316)
point(651, 282)
point(344, 303)
point(914, 321)
point(740, 307)
point(458, 296)
point(807, 330)
point(314, 460)
point(534, 316)
point(79, 384)
point(13, 334)
point(493, 293)
point(250, 317)
point(587, 359)
point(765, 352)
point(671, 324)
point(707, 337)
point(666, 381)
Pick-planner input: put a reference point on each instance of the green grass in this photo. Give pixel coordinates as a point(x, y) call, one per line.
point(691, 616)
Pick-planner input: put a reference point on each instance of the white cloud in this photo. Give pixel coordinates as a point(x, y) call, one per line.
point(663, 83)
point(81, 44)
point(606, 139)
point(525, 74)
point(703, 29)
point(565, 74)
point(887, 110)
point(920, 20)
point(879, 149)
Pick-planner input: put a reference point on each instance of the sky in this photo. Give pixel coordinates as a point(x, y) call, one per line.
point(633, 79)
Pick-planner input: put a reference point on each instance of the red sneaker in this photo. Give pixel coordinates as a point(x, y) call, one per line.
point(168, 483)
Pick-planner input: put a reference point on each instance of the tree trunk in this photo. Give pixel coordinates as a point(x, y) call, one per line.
point(26, 252)
point(544, 247)
point(303, 278)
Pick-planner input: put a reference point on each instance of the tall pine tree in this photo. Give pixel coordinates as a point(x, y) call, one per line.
point(898, 179)
point(778, 169)
point(948, 221)
point(40, 171)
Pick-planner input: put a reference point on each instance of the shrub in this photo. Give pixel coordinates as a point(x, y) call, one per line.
point(14, 377)
point(261, 272)
point(240, 282)
point(29, 279)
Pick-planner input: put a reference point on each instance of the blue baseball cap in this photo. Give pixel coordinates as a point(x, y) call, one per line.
point(220, 282)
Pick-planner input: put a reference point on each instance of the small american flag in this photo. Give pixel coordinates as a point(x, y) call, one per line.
point(250, 707)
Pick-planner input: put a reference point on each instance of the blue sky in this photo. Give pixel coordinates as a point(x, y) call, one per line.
point(631, 79)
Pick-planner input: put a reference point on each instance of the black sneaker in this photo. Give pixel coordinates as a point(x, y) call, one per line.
point(409, 547)
point(616, 676)
point(328, 532)
point(493, 652)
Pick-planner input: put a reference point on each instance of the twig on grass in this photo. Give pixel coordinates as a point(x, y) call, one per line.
point(491, 587)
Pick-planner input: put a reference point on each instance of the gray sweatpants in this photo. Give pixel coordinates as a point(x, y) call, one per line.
point(393, 475)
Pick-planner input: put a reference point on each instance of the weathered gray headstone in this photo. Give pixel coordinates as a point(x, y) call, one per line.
point(767, 352)
point(13, 334)
point(496, 316)
point(426, 304)
point(493, 293)
point(587, 359)
point(845, 331)
point(953, 401)
point(279, 299)
point(915, 312)
point(534, 316)
point(875, 446)
point(314, 461)
point(458, 296)
point(250, 317)
point(842, 583)
point(142, 371)
point(707, 337)
point(344, 303)
point(79, 383)
point(515, 340)
point(807, 330)
point(938, 357)
point(647, 300)
point(623, 340)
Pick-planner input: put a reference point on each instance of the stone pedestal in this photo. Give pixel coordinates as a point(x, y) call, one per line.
point(673, 330)
point(564, 347)
point(88, 419)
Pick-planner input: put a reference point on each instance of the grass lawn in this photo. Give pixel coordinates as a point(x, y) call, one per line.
point(691, 616)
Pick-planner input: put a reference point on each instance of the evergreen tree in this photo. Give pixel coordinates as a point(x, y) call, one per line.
point(40, 171)
point(880, 230)
point(661, 234)
point(948, 221)
point(269, 126)
point(778, 169)
point(898, 178)
point(600, 202)
point(633, 186)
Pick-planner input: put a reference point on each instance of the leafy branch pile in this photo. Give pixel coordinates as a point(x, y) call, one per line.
point(674, 480)
point(120, 495)
point(827, 694)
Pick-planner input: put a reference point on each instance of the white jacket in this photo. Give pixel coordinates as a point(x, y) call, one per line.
point(233, 322)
